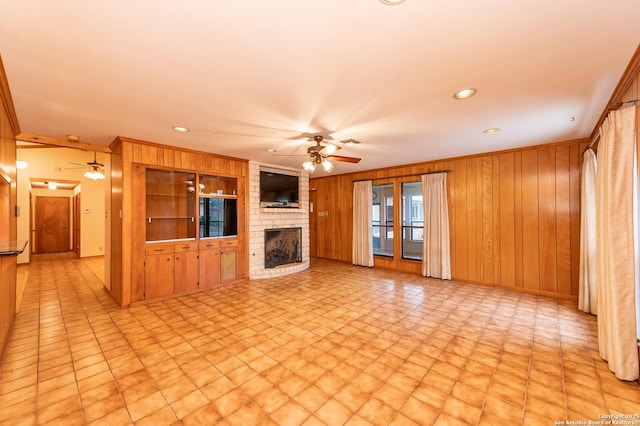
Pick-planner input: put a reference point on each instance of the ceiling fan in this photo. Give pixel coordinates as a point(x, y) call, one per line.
point(95, 168)
point(321, 154)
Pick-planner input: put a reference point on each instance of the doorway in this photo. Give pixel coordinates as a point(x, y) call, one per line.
point(52, 224)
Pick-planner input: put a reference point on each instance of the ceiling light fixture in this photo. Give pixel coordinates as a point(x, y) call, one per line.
point(52, 186)
point(180, 129)
point(464, 93)
point(491, 130)
point(310, 165)
point(270, 150)
point(391, 2)
point(94, 173)
point(73, 138)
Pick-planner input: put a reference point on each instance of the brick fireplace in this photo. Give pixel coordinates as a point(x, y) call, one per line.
point(262, 220)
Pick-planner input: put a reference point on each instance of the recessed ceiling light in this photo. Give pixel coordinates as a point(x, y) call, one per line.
point(270, 150)
point(464, 93)
point(73, 138)
point(180, 129)
point(491, 130)
point(391, 2)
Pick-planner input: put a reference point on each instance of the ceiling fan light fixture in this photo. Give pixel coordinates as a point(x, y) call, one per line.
point(94, 174)
point(329, 149)
point(464, 93)
point(309, 166)
point(327, 166)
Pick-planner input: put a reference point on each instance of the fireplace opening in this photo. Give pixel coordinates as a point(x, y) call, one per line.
point(282, 246)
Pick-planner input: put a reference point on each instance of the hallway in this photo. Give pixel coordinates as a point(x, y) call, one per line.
point(332, 345)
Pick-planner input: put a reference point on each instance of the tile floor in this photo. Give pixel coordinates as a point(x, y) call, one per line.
point(333, 345)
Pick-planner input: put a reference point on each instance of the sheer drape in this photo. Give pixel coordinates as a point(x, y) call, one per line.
point(436, 256)
point(362, 251)
point(587, 295)
point(615, 253)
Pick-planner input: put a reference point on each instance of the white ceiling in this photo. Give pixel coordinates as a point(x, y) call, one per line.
point(247, 75)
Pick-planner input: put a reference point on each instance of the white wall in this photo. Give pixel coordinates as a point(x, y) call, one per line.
point(53, 164)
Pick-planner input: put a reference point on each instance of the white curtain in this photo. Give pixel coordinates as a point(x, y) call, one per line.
point(436, 253)
point(362, 250)
point(615, 252)
point(587, 295)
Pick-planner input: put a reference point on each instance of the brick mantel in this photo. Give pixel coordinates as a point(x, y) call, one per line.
point(270, 218)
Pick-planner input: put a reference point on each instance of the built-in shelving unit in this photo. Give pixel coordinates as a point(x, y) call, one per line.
point(182, 221)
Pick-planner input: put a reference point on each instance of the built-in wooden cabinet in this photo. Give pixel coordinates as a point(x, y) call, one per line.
point(175, 202)
point(186, 269)
point(179, 222)
point(158, 271)
point(170, 205)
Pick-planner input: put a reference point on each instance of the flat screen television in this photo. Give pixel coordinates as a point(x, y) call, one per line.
point(278, 189)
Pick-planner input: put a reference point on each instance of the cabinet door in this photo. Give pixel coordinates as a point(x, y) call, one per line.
point(209, 267)
point(229, 265)
point(186, 271)
point(158, 276)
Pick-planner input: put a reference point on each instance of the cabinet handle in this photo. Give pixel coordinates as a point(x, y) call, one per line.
point(158, 249)
point(149, 219)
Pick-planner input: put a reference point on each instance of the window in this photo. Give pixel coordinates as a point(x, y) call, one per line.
point(383, 220)
point(412, 220)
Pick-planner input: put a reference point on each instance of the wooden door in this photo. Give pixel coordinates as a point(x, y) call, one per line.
point(313, 224)
point(52, 224)
point(158, 277)
point(209, 267)
point(186, 271)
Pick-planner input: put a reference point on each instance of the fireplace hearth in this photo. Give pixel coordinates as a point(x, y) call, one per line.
point(282, 246)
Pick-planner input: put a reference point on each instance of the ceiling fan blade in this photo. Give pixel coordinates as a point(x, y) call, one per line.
point(78, 164)
point(345, 159)
point(329, 149)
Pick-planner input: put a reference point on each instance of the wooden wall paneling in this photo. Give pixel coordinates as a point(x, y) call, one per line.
point(507, 257)
point(479, 260)
point(495, 215)
point(138, 233)
point(196, 161)
point(185, 159)
point(514, 216)
point(488, 241)
point(472, 222)
point(563, 217)
point(530, 240)
point(130, 153)
point(517, 218)
point(149, 154)
point(136, 152)
point(459, 206)
point(548, 219)
point(177, 158)
point(115, 259)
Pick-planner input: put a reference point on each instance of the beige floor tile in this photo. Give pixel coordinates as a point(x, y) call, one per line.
point(338, 348)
